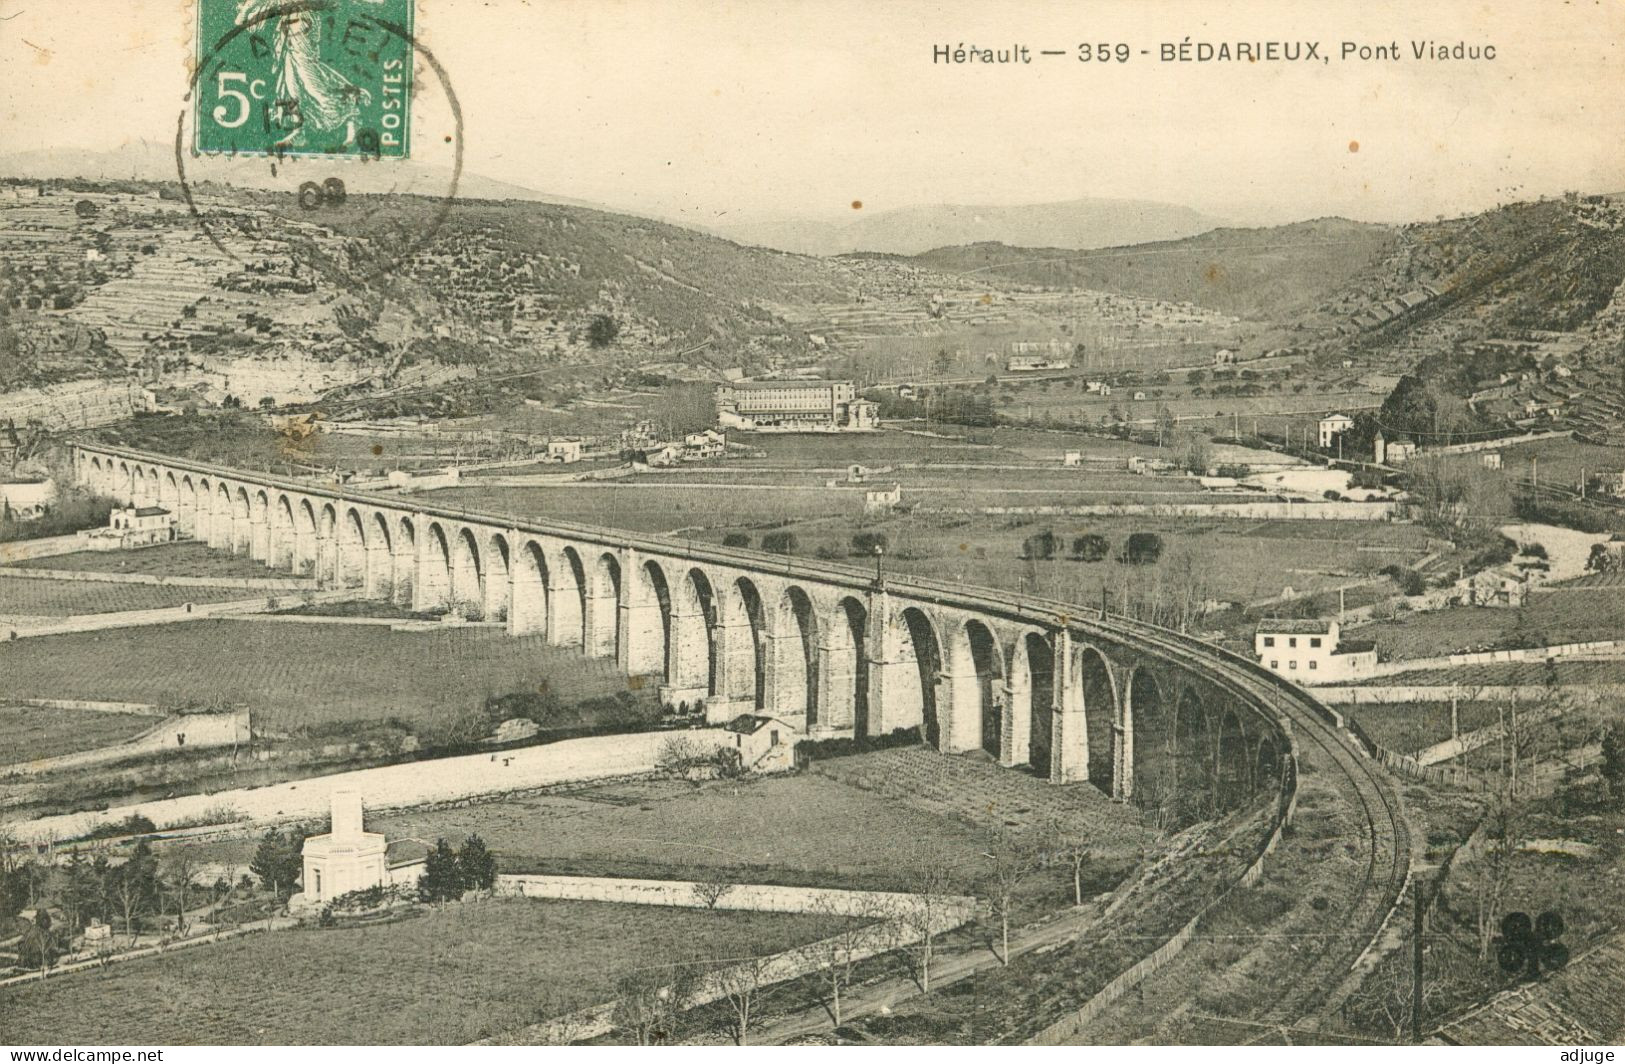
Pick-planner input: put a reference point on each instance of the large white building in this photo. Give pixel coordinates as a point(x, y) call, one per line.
point(1333, 426)
point(814, 405)
point(1305, 651)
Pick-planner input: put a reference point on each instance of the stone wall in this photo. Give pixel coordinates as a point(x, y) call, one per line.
point(399, 786)
point(176, 732)
point(1268, 511)
point(246, 583)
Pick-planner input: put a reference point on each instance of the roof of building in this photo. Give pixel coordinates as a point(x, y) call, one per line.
point(1295, 626)
point(749, 724)
point(403, 852)
point(150, 511)
point(1578, 1005)
point(791, 382)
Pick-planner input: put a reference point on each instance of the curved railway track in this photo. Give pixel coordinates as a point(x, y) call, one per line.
point(1324, 747)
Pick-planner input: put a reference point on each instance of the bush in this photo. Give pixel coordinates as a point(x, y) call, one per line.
point(1407, 580)
point(779, 543)
point(1142, 548)
point(1091, 547)
point(869, 543)
point(1040, 546)
point(736, 539)
point(823, 749)
point(134, 824)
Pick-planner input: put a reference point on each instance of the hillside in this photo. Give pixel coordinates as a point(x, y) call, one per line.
point(98, 275)
point(1084, 223)
point(1268, 274)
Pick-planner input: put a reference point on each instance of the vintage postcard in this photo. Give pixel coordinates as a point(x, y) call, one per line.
point(808, 522)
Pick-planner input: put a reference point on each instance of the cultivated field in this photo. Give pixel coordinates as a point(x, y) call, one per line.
point(172, 559)
point(1550, 619)
point(1406, 727)
point(300, 675)
point(813, 828)
point(28, 733)
point(447, 977)
point(26, 597)
point(1559, 461)
point(1517, 674)
point(950, 538)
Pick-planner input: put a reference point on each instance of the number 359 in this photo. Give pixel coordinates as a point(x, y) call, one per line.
point(1103, 53)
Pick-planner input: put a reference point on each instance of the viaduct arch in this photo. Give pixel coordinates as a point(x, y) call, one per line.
point(1073, 699)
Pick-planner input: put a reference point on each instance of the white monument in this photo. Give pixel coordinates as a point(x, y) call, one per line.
point(348, 858)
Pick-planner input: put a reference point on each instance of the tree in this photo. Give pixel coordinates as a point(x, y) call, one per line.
point(869, 543)
point(1455, 497)
point(476, 865)
point(741, 983)
point(1166, 424)
point(442, 879)
point(838, 954)
point(1491, 873)
point(278, 863)
point(712, 890)
point(1040, 546)
point(175, 879)
point(603, 330)
point(649, 1003)
point(779, 543)
point(1010, 863)
point(1142, 548)
point(1090, 547)
point(1613, 760)
point(929, 877)
point(1191, 452)
point(133, 886)
point(1601, 559)
point(736, 539)
point(1067, 842)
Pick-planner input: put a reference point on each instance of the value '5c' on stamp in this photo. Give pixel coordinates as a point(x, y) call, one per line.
point(304, 77)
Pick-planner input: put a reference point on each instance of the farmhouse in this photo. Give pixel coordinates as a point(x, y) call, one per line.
point(132, 526)
point(698, 446)
point(1305, 651)
point(879, 500)
point(566, 451)
point(764, 743)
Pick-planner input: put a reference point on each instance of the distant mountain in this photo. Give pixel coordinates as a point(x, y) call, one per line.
point(1271, 273)
point(155, 161)
point(1084, 223)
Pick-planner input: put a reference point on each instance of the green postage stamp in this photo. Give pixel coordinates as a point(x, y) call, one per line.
point(304, 77)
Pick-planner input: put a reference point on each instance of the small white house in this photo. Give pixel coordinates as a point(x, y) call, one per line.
point(132, 526)
point(1332, 426)
point(567, 451)
point(1305, 651)
point(765, 744)
point(880, 500)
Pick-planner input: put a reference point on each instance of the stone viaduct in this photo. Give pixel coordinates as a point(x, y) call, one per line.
point(830, 648)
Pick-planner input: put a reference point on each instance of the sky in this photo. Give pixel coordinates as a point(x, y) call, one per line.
point(718, 110)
